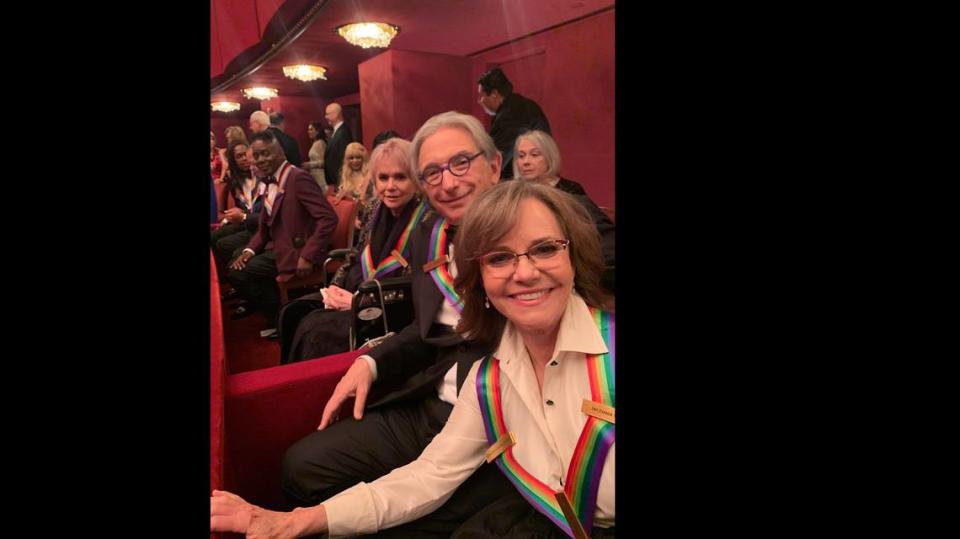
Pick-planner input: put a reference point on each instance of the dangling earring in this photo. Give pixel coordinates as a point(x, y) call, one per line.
point(486, 301)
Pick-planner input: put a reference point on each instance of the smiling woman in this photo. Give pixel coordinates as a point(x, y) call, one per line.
point(565, 474)
point(518, 217)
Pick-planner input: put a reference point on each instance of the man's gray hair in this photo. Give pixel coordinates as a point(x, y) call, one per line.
point(457, 120)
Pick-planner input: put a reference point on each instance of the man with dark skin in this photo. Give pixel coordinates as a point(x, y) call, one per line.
point(297, 218)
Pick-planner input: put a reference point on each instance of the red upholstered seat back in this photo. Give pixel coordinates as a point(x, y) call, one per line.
point(346, 209)
point(217, 382)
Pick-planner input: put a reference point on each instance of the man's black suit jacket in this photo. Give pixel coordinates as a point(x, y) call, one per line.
point(333, 155)
point(290, 147)
point(515, 115)
point(412, 363)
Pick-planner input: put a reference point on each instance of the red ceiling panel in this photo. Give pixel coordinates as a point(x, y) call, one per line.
point(455, 27)
point(234, 22)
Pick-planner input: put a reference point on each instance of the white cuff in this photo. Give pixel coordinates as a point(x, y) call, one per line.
point(250, 251)
point(372, 364)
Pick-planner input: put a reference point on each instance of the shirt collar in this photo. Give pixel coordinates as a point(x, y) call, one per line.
point(578, 333)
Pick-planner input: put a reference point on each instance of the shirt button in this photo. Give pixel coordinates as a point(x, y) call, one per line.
point(549, 402)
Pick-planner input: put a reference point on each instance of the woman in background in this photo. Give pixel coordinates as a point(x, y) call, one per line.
point(528, 271)
point(315, 165)
point(354, 180)
point(536, 158)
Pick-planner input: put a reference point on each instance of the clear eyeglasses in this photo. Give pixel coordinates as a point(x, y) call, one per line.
point(505, 262)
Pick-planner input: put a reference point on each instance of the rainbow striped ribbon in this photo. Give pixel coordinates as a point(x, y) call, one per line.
point(391, 263)
point(441, 274)
point(596, 438)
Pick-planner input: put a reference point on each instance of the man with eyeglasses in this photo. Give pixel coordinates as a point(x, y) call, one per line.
point(423, 367)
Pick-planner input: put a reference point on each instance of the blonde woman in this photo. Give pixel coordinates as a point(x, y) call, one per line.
point(354, 178)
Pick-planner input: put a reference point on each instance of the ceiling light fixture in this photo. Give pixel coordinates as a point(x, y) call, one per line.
point(260, 93)
point(368, 34)
point(224, 106)
point(305, 72)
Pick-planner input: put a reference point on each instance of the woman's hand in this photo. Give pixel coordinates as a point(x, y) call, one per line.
point(337, 298)
point(231, 513)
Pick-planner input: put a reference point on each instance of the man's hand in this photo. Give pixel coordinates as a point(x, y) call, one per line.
point(234, 215)
point(304, 267)
point(355, 383)
point(241, 261)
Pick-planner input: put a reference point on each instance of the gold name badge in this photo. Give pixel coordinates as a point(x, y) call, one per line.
point(599, 410)
point(500, 446)
point(436, 262)
point(403, 261)
point(572, 520)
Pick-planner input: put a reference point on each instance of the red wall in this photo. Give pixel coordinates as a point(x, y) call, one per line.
point(402, 89)
point(569, 71)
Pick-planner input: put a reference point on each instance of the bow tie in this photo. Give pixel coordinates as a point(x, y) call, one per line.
point(269, 179)
point(451, 232)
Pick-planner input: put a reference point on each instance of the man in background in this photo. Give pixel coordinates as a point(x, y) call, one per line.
point(341, 137)
point(512, 114)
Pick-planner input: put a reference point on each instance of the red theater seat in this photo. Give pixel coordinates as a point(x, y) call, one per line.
point(255, 416)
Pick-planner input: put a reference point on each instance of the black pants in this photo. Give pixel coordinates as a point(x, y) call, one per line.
point(329, 461)
point(257, 283)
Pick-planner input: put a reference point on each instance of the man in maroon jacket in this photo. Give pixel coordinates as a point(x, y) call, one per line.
point(294, 231)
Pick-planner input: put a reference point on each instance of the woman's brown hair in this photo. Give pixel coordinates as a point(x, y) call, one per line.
point(491, 216)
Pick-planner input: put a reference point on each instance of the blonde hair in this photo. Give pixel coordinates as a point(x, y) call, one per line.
point(235, 132)
point(399, 149)
point(354, 182)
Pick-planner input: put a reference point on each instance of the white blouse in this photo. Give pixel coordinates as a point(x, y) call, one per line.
point(546, 435)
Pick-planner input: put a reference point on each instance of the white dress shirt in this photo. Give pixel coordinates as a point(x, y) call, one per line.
point(546, 435)
point(448, 316)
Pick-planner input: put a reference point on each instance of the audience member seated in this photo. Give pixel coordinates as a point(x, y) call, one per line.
point(240, 221)
point(354, 180)
point(419, 371)
point(529, 267)
point(537, 159)
point(298, 224)
point(384, 251)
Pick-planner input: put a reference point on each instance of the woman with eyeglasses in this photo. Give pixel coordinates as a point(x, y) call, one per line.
point(541, 407)
point(536, 158)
